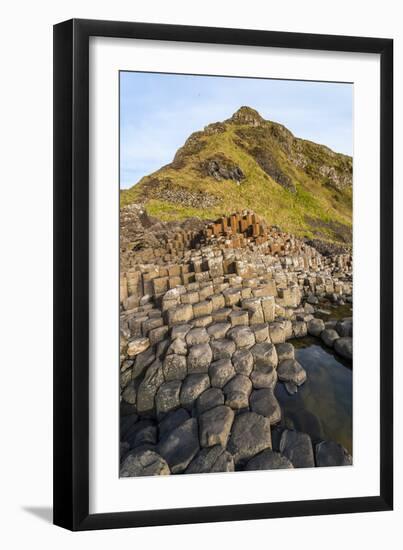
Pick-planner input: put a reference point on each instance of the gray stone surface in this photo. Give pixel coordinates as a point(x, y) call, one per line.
point(199, 358)
point(290, 370)
point(264, 402)
point(264, 356)
point(167, 397)
point(329, 336)
point(344, 347)
point(197, 336)
point(250, 435)
point(222, 348)
point(192, 387)
point(242, 360)
point(221, 372)
point(213, 397)
point(269, 460)
point(315, 327)
point(144, 463)
point(297, 447)
point(242, 336)
point(285, 351)
point(264, 379)
point(180, 446)
point(215, 426)
point(237, 392)
point(330, 453)
point(153, 379)
point(171, 421)
point(217, 331)
point(174, 367)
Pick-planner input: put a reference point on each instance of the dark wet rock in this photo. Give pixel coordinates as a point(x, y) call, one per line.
point(290, 370)
point(144, 463)
point(149, 386)
point(264, 356)
point(330, 453)
point(143, 432)
point(264, 402)
point(224, 463)
point(167, 398)
point(222, 348)
point(126, 423)
point(171, 421)
point(180, 446)
point(221, 372)
point(213, 397)
point(250, 435)
point(174, 367)
point(237, 392)
point(162, 347)
point(193, 386)
point(316, 327)
point(215, 426)
point(285, 351)
point(291, 388)
point(297, 447)
point(329, 336)
point(344, 347)
point(268, 460)
point(199, 358)
point(130, 392)
point(312, 299)
point(345, 327)
point(242, 360)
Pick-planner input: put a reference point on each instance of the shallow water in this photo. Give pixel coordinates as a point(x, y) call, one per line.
point(323, 405)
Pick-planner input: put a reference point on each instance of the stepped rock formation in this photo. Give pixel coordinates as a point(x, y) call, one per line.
point(207, 308)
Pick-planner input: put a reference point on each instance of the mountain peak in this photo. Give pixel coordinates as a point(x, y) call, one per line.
point(247, 115)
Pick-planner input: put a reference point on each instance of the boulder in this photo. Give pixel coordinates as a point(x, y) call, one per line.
point(199, 358)
point(177, 347)
point(285, 351)
point(217, 331)
point(180, 446)
point(264, 357)
point(263, 379)
point(211, 459)
point(239, 318)
point(144, 432)
point(172, 420)
point(215, 426)
point(316, 327)
point(345, 327)
point(174, 367)
point(264, 402)
point(242, 336)
point(167, 398)
point(329, 336)
point(180, 314)
point(250, 435)
point(221, 372)
point(277, 332)
point(192, 387)
point(297, 447)
point(213, 397)
point(299, 329)
point(180, 331)
point(237, 392)
point(243, 361)
point(136, 346)
point(330, 453)
point(222, 349)
point(268, 460)
point(144, 463)
point(197, 336)
point(261, 332)
point(344, 347)
point(153, 379)
point(290, 370)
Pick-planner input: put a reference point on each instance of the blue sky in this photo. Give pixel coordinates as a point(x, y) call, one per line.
point(158, 112)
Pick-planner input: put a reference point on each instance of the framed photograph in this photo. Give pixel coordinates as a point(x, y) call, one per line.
point(223, 259)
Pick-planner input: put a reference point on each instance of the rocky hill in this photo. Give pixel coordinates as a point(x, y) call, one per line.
point(247, 162)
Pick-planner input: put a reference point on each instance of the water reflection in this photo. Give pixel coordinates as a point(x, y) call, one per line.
point(323, 405)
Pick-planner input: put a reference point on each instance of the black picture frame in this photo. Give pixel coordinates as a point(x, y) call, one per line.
point(71, 274)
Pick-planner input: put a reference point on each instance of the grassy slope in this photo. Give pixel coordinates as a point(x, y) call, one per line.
point(312, 210)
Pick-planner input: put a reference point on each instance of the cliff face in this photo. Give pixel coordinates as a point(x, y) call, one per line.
point(248, 162)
